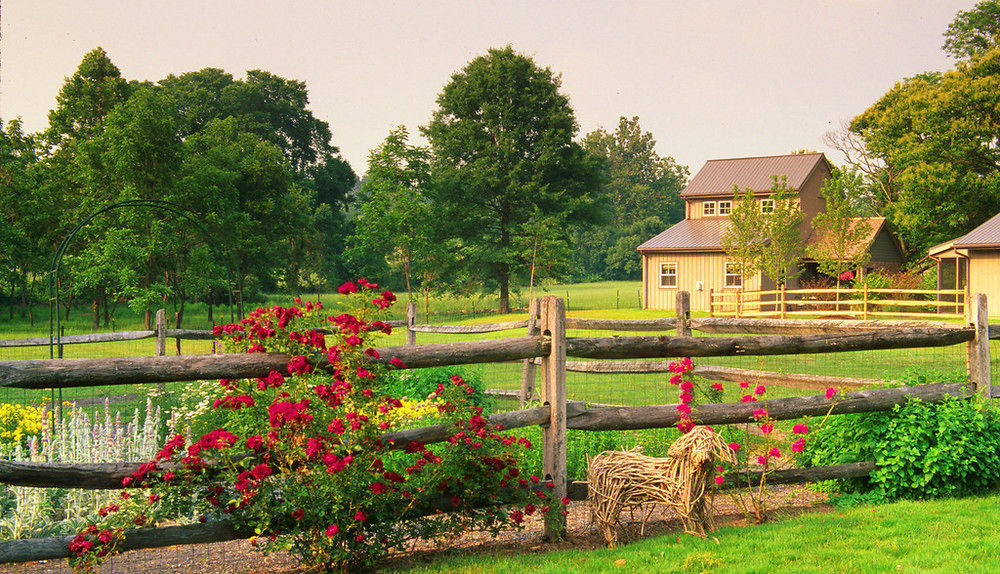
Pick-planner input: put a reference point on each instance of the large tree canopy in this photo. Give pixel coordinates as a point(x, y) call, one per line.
point(937, 134)
point(504, 161)
point(247, 155)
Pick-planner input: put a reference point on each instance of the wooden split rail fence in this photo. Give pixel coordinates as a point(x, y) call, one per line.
point(556, 415)
point(861, 303)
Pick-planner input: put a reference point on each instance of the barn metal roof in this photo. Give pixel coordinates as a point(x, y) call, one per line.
point(986, 235)
point(718, 176)
point(690, 235)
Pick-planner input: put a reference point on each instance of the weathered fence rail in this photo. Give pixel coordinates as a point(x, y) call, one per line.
point(160, 332)
point(556, 416)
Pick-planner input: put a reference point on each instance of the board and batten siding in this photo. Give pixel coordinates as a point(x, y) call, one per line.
point(884, 253)
point(708, 268)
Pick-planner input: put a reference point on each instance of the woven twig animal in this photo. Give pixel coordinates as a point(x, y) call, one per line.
point(624, 480)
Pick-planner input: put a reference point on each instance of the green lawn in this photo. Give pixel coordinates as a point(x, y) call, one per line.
point(594, 300)
point(952, 535)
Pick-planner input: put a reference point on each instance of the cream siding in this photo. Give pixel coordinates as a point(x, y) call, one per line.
point(984, 277)
point(708, 268)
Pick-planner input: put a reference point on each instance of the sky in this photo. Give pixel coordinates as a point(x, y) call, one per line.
point(709, 79)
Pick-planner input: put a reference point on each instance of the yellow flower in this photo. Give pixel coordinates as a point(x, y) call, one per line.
point(18, 421)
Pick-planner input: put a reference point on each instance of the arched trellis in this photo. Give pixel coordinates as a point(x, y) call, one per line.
point(55, 335)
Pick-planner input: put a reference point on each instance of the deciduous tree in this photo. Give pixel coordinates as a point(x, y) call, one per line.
point(769, 243)
point(841, 227)
point(503, 151)
point(974, 32)
point(395, 218)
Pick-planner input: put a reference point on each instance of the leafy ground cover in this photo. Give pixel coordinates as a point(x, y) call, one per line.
point(948, 535)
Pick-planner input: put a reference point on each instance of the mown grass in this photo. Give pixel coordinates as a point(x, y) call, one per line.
point(951, 535)
point(594, 300)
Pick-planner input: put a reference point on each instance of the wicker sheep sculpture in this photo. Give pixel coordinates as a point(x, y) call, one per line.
point(620, 481)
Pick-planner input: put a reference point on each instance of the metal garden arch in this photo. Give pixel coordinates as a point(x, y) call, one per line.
point(55, 336)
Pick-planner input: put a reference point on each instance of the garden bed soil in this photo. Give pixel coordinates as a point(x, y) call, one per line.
point(238, 556)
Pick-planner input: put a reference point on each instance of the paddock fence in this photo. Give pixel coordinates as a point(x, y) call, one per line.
point(860, 303)
point(160, 332)
point(556, 415)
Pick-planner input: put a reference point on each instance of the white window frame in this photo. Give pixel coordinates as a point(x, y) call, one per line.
point(728, 205)
point(767, 202)
point(708, 209)
point(726, 275)
point(664, 266)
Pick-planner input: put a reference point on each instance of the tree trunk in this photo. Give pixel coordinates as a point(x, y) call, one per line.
point(107, 313)
point(504, 290)
point(147, 319)
point(96, 314)
point(26, 297)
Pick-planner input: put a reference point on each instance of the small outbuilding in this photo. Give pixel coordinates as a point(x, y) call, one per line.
point(971, 263)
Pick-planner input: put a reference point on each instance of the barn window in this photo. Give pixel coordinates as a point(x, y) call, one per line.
point(725, 207)
point(668, 275)
point(733, 276)
point(766, 205)
point(708, 208)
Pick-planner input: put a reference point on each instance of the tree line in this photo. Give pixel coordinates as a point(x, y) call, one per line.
point(503, 194)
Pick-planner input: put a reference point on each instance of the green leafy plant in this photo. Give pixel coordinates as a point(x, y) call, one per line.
point(921, 450)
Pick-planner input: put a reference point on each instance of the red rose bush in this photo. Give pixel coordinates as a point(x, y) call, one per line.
point(305, 462)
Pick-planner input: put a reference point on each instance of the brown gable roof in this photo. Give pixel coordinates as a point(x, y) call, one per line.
point(875, 224)
point(690, 235)
point(718, 176)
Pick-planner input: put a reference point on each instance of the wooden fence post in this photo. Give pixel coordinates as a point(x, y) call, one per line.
point(553, 324)
point(411, 319)
point(864, 302)
point(161, 332)
point(683, 314)
point(739, 302)
point(161, 341)
point(711, 302)
point(979, 348)
point(784, 302)
point(528, 365)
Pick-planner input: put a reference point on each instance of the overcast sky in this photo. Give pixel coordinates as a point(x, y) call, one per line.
point(709, 79)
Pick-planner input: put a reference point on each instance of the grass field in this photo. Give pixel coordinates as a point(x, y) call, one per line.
point(951, 535)
point(595, 300)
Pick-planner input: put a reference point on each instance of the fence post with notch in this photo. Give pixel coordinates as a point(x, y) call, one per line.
point(553, 325)
point(683, 306)
point(528, 365)
point(978, 349)
point(161, 332)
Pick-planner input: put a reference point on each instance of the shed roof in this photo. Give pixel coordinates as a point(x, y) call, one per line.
point(986, 235)
point(718, 176)
point(690, 235)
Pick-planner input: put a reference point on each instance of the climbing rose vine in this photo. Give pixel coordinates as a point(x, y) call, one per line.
point(307, 462)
